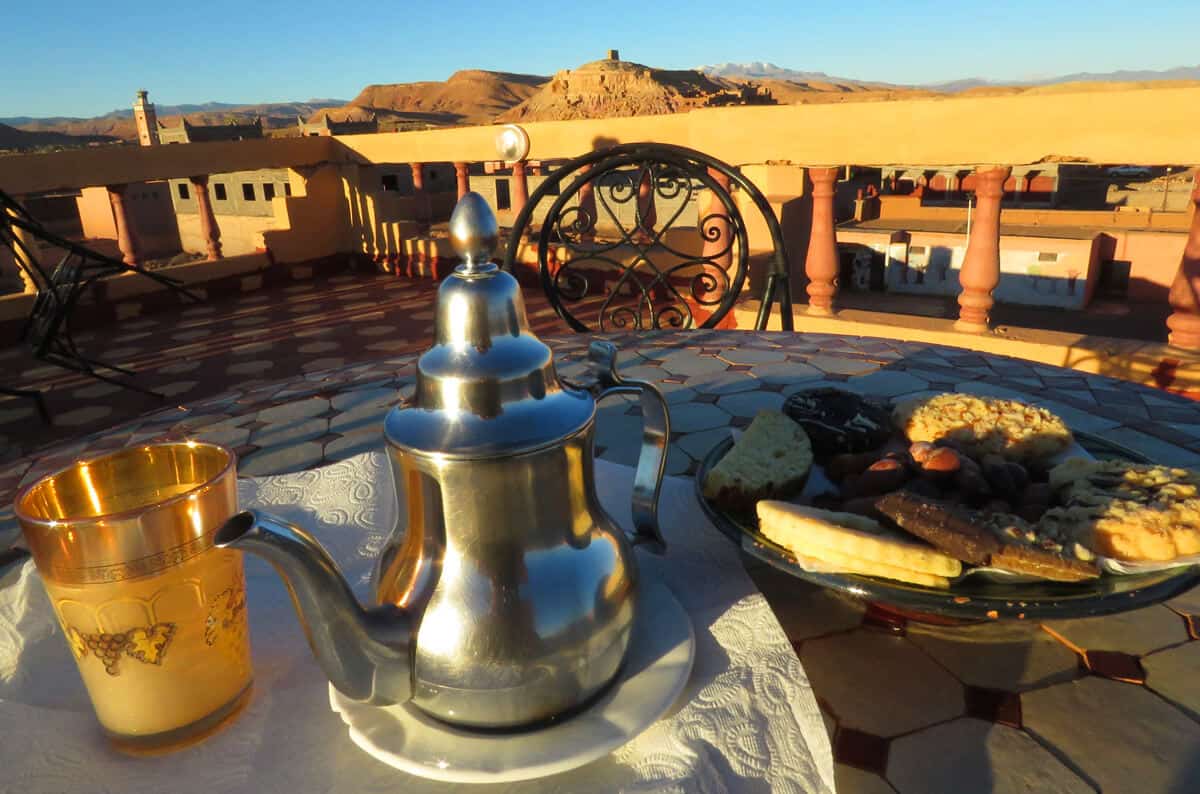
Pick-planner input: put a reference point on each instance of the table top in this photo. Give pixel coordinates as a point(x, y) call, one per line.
point(1078, 705)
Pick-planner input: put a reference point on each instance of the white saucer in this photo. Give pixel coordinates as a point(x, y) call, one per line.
point(655, 672)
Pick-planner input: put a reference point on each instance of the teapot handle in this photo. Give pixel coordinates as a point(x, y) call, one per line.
point(656, 429)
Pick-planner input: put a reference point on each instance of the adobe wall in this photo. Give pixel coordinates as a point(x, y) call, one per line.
point(96, 214)
point(930, 263)
point(240, 234)
point(1154, 259)
point(152, 218)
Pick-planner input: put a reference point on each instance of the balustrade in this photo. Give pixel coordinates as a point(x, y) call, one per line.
point(1184, 297)
point(463, 179)
point(424, 206)
point(821, 262)
point(126, 237)
point(520, 189)
point(208, 221)
point(980, 273)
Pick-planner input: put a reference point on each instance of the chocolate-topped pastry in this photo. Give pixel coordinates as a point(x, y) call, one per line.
point(839, 421)
point(996, 539)
point(940, 525)
point(1043, 564)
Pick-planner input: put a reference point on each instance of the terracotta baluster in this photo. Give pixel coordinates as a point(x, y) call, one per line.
point(423, 209)
point(980, 272)
point(1184, 297)
point(208, 221)
point(647, 215)
point(25, 255)
point(587, 206)
point(520, 188)
point(821, 264)
point(126, 239)
point(464, 179)
point(717, 233)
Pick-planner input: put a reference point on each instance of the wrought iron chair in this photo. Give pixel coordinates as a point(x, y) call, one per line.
point(48, 328)
point(615, 240)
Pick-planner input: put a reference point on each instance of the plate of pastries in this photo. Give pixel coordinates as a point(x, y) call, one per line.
point(956, 505)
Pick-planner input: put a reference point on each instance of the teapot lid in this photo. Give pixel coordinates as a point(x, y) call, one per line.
point(487, 387)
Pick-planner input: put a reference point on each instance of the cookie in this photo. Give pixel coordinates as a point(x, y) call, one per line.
point(1135, 512)
point(983, 426)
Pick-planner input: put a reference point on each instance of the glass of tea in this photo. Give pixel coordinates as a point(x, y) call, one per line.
point(154, 614)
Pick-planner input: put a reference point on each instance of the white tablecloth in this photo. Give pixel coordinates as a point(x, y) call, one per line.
point(747, 721)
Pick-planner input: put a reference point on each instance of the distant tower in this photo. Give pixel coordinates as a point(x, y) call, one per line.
point(613, 55)
point(146, 119)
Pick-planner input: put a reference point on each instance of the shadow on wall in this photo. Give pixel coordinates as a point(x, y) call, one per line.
point(933, 270)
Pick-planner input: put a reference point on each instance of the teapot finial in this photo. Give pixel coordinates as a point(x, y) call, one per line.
point(474, 233)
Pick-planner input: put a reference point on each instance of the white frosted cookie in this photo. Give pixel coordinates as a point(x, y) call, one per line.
point(984, 426)
point(1135, 512)
point(770, 460)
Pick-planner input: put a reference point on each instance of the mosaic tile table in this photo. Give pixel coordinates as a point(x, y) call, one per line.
point(1109, 704)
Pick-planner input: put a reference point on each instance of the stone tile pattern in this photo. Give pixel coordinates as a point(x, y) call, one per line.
point(238, 341)
point(910, 707)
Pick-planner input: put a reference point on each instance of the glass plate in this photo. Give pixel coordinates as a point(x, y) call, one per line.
point(971, 597)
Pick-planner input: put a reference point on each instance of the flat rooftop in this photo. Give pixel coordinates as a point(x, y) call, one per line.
point(1006, 229)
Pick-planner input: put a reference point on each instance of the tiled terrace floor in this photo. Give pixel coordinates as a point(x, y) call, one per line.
point(239, 342)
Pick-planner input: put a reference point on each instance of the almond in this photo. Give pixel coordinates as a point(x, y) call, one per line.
point(879, 478)
point(942, 461)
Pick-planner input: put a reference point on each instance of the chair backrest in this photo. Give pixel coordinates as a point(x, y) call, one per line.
point(647, 236)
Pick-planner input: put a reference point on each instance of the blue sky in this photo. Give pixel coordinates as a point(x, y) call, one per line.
point(82, 57)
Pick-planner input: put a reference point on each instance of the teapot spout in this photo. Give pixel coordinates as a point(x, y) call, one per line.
point(366, 653)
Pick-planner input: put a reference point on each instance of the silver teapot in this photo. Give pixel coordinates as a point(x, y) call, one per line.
point(505, 595)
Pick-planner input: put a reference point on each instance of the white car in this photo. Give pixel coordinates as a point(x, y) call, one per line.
point(1129, 170)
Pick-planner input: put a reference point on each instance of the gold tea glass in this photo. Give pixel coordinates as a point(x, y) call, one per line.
point(154, 614)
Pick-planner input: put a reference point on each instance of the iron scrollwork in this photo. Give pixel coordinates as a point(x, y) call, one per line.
point(612, 254)
point(626, 241)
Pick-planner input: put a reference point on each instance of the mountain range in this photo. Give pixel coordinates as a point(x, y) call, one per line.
point(118, 125)
point(764, 70)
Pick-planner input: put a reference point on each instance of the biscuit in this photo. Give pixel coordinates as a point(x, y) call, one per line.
point(984, 426)
point(833, 563)
point(1127, 511)
point(846, 539)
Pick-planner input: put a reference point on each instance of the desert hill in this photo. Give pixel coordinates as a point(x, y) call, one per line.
point(16, 140)
point(622, 88)
point(119, 123)
point(470, 96)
